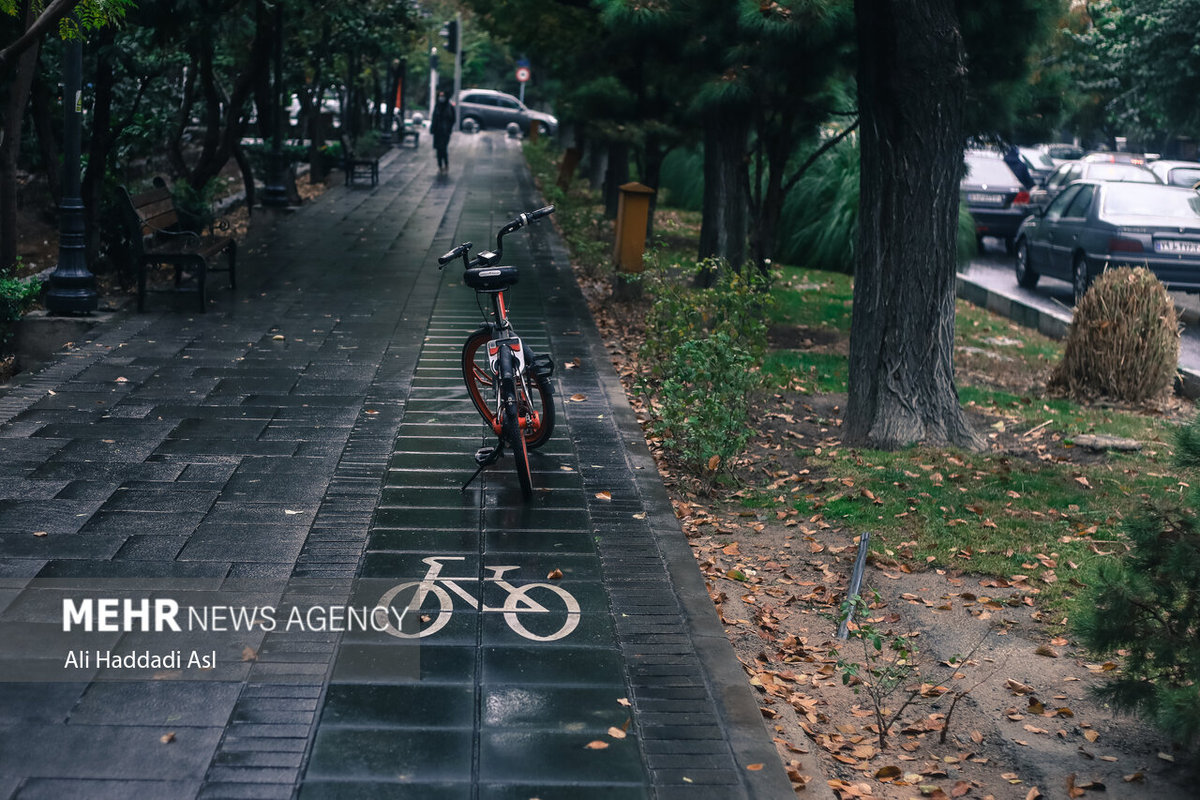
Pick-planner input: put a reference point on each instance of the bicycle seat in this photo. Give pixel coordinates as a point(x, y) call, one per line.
point(490, 279)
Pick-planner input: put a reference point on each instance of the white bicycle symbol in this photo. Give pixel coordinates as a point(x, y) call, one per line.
point(518, 601)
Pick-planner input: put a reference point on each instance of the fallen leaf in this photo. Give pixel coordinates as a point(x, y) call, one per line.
point(960, 789)
point(754, 767)
point(596, 745)
point(1034, 794)
point(40, 533)
point(887, 773)
point(1091, 736)
point(555, 575)
point(278, 337)
point(616, 733)
point(578, 398)
point(713, 463)
point(249, 653)
point(167, 738)
point(624, 702)
point(604, 495)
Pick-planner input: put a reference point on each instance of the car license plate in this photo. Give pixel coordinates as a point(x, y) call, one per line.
point(1176, 246)
point(985, 199)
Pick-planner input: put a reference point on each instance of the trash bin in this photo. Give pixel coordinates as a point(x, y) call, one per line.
point(633, 213)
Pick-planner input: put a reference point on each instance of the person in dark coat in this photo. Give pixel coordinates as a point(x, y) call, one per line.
point(441, 125)
point(1012, 157)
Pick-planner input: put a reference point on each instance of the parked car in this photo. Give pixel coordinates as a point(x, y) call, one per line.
point(1061, 151)
point(1177, 173)
point(996, 199)
point(1084, 169)
point(1039, 163)
point(1118, 157)
point(1092, 224)
point(491, 109)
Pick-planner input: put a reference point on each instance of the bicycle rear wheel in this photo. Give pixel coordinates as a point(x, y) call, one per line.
point(536, 405)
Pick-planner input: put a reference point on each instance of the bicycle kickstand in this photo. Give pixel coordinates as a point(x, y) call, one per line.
point(484, 457)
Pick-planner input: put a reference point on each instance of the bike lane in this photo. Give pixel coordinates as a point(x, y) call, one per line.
point(565, 646)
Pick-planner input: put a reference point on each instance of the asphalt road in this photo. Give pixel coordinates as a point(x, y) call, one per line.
point(993, 269)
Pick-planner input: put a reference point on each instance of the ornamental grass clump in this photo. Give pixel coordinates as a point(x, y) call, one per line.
point(1123, 344)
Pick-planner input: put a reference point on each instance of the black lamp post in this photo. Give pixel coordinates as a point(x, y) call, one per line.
point(72, 285)
point(275, 190)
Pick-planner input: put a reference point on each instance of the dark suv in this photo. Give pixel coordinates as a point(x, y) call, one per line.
point(491, 109)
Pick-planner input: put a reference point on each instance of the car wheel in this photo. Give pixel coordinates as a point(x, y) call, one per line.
point(1081, 279)
point(471, 124)
point(1027, 277)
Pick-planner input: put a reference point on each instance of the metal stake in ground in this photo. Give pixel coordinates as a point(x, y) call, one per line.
point(860, 563)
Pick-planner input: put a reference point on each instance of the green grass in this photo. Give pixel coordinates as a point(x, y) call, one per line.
point(817, 373)
point(991, 515)
point(812, 299)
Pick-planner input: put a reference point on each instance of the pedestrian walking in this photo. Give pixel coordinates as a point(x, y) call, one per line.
point(441, 125)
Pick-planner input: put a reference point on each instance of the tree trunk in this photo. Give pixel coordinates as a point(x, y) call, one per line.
point(616, 176)
point(911, 94)
point(10, 144)
point(723, 225)
point(102, 141)
point(41, 103)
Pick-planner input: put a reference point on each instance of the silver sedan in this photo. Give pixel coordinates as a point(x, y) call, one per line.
point(1092, 225)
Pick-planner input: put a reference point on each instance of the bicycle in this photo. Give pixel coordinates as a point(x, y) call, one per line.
point(517, 601)
point(508, 384)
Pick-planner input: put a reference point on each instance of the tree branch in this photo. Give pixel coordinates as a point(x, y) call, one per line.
point(792, 181)
point(53, 13)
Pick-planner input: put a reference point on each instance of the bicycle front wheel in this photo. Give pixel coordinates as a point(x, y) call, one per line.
point(515, 437)
point(536, 405)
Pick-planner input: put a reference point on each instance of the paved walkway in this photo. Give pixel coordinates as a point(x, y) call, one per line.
point(275, 469)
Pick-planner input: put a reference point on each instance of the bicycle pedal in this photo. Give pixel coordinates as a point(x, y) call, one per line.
point(486, 455)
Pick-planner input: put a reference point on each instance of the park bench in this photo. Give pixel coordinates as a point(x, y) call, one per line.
point(361, 162)
point(411, 130)
point(159, 235)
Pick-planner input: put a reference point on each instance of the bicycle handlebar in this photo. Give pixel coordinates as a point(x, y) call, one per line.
point(517, 222)
point(445, 259)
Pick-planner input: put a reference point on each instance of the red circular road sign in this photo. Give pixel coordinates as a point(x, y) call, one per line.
point(522, 74)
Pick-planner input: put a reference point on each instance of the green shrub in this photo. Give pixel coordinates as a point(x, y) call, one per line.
point(702, 354)
point(736, 305)
point(700, 408)
point(16, 297)
point(1123, 343)
point(1146, 605)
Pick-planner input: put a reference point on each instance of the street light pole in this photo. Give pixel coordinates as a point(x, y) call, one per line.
point(72, 285)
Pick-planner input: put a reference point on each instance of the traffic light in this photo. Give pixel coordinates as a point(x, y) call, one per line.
point(451, 34)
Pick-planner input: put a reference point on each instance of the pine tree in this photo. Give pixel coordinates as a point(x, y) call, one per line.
point(1147, 605)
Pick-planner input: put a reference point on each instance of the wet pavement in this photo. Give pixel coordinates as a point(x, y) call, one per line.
point(284, 473)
